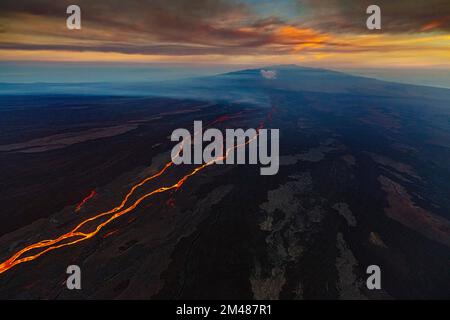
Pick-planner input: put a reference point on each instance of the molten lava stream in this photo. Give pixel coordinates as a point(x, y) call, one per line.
point(75, 235)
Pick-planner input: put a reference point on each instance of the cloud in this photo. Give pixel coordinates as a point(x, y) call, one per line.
point(178, 27)
point(243, 30)
point(269, 74)
point(399, 16)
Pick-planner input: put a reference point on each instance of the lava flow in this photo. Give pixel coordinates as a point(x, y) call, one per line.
point(76, 235)
point(85, 200)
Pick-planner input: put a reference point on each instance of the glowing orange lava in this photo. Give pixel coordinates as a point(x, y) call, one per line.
point(110, 233)
point(85, 200)
point(76, 235)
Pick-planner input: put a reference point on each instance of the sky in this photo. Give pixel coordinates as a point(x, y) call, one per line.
point(225, 34)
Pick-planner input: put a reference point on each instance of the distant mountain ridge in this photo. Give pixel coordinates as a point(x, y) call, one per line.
point(243, 84)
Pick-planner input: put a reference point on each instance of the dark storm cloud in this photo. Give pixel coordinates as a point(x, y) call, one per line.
point(174, 20)
point(398, 16)
point(170, 20)
point(115, 8)
point(211, 27)
point(177, 26)
point(151, 16)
